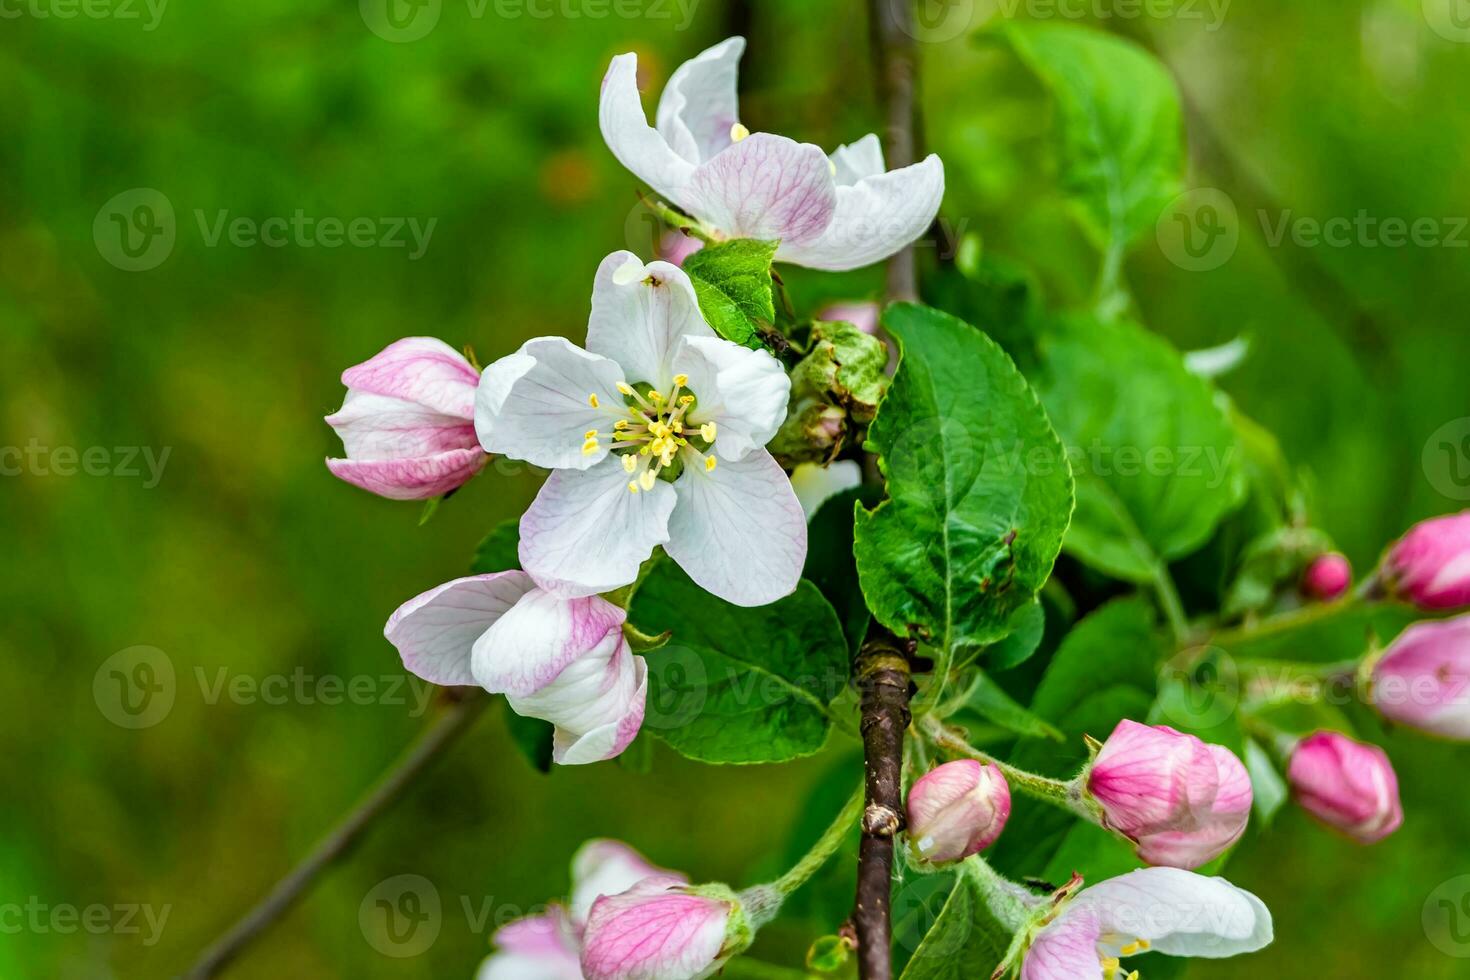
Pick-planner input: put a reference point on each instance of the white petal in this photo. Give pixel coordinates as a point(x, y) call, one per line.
point(637, 145)
point(422, 370)
point(378, 427)
point(534, 404)
point(587, 533)
point(815, 484)
point(766, 187)
point(639, 314)
point(738, 530)
point(596, 704)
point(874, 218)
point(743, 391)
point(1064, 950)
point(572, 745)
point(855, 161)
point(699, 104)
point(435, 632)
point(1179, 912)
point(536, 641)
point(608, 867)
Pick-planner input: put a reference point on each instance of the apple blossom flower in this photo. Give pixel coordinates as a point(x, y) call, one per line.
point(838, 212)
point(815, 484)
point(660, 929)
point(1161, 910)
point(1327, 577)
point(1181, 801)
point(408, 421)
point(655, 435)
point(1423, 679)
point(956, 810)
point(1346, 784)
point(1430, 565)
point(542, 946)
point(564, 661)
point(609, 867)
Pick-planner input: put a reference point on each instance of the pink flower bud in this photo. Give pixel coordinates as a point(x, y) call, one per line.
point(1423, 678)
point(657, 930)
point(1327, 577)
point(1347, 785)
point(864, 316)
point(675, 246)
point(1430, 566)
point(408, 421)
point(957, 810)
point(1181, 801)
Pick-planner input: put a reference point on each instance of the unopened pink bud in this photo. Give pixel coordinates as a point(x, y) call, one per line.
point(1423, 678)
point(1430, 566)
point(408, 421)
point(1181, 801)
point(657, 930)
point(675, 246)
point(1327, 577)
point(957, 810)
point(1347, 785)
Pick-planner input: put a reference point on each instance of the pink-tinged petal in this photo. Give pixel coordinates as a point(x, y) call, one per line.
point(1222, 827)
point(1065, 950)
point(1430, 565)
point(637, 145)
point(857, 161)
point(374, 427)
point(815, 484)
point(766, 187)
point(1178, 913)
point(609, 867)
point(540, 947)
point(537, 404)
point(699, 104)
point(411, 479)
point(864, 316)
point(738, 530)
point(872, 219)
point(434, 632)
point(1423, 678)
point(654, 931)
point(596, 703)
point(533, 643)
point(578, 745)
point(956, 810)
point(1348, 785)
point(422, 370)
point(639, 315)
point(586, 532)
point(743, 391)
point(1152, 779)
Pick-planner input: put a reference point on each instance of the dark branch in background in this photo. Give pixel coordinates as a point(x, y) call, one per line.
point(881, 674)
point(430, 745)
point(895, 58)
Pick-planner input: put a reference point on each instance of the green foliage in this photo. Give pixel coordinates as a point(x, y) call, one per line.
point(847, 365)
point(830, 565)
point(990, 701)
point(965, 941)
point(1024, 633)
point(1156, 460)
point(739, 685)
point(1119, 132)
point(532, 737)
point(498, 551)
point(733, 283)
point(979, 491)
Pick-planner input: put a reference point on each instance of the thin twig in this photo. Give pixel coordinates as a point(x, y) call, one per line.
point(429, 746)
point(881, 674)
point(896, 59)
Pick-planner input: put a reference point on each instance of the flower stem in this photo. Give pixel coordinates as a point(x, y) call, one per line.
point(1286, 622)
point(1058, 792)
point(1170, 602)
point(824, 848)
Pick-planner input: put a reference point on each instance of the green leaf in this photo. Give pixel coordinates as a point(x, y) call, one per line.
point(1119, 129)
point(979, 489)
point(1156, 461)
point(830, 565)
point(1026, 629)
point(532, 736)
point(733, 283)
point(739, 685)
point(499, 550)
point(991, 702)
point(1267, 786)
point(965, 941)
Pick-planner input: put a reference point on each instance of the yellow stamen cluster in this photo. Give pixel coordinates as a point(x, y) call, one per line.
point(1112, 967)
point(655, 432)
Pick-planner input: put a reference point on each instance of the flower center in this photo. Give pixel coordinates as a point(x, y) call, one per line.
point(1112, 969)
point(655, 434)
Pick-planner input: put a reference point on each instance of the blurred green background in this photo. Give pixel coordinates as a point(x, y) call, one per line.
point(244, 558)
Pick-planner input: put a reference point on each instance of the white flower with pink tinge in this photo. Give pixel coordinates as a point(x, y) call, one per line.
point(408, 422)
point(839, 212)
point(564, 661)
point(1162, 910)
point(656, 435)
